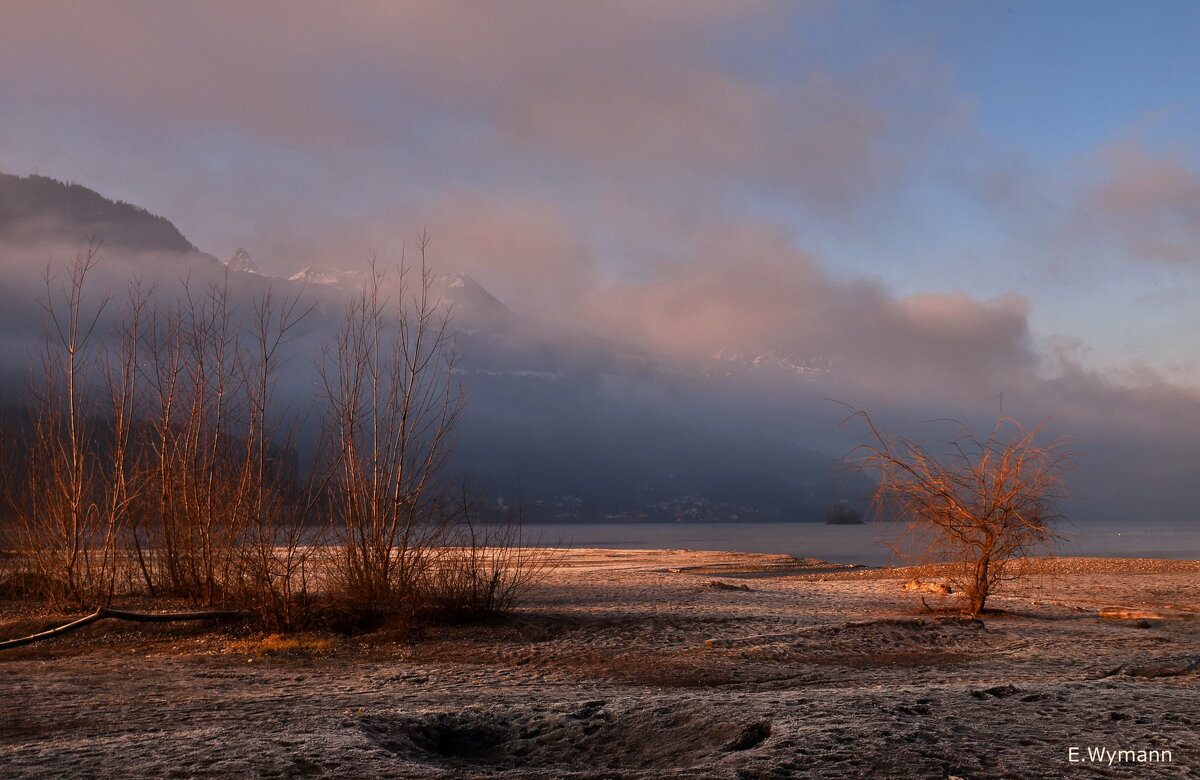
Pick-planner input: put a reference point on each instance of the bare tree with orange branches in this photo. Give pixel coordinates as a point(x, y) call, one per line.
point(976, 504)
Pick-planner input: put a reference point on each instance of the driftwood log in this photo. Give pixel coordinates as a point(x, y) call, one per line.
point(120, 614)
point(1135, 613)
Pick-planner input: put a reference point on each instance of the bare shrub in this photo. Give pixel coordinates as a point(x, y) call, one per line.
point(979, 504)
point(486, 567)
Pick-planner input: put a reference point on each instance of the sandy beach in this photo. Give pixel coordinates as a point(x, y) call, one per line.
point(647, 664)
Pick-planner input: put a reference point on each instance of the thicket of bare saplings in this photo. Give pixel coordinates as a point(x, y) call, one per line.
point(155, 457)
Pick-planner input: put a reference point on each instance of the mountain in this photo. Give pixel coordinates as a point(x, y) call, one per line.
point(577, 425)
point(37, 208)
point(456, 290)
point(469, 300)
point(240, 261)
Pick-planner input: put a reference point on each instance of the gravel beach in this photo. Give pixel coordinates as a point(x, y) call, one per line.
point(647, 664)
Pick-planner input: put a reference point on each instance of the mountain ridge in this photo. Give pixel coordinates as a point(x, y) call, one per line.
point(34, 208)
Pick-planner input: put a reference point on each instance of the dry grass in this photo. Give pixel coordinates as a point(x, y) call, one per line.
point(294, 644)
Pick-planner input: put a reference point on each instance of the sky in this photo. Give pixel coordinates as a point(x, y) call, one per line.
point(1015, 185)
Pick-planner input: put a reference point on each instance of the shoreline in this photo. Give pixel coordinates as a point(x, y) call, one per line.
point(865, 544)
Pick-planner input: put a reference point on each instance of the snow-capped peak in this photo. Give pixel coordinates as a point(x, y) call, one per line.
point(328, 277)
point(463, 291)
point(240, 261)
point(468, 300)
point(470, 304)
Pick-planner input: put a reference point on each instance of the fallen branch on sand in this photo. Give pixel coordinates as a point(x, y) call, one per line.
point(120, 614)
point(718, 585)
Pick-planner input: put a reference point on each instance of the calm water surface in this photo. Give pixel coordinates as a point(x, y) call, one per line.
point(863, 544)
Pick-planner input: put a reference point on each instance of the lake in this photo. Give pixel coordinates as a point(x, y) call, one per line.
point(863, 544)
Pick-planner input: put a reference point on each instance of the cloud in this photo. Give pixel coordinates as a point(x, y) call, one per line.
point(743, 286)
point(1148, 203)
point(641, 93)
point(525, 248)
point(302, 72)
point(608, 166)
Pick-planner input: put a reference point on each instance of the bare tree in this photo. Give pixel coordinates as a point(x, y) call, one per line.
point(225, 522)
point(79, 475)
point(190, 527)
point(58, 504)
point(276, 546)
point(978, 504)
point(123, 456)
point(160, 446)
point(391, 404)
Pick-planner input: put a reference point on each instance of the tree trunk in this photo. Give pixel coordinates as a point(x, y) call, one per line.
point(978, 593)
